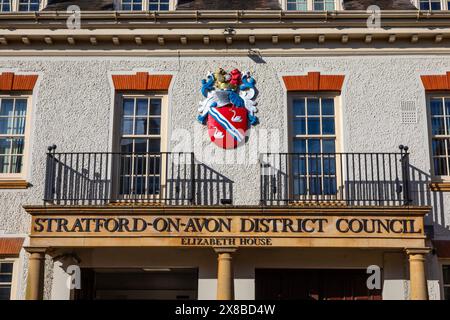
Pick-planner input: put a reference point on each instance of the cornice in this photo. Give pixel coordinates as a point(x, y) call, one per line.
point(257, 18)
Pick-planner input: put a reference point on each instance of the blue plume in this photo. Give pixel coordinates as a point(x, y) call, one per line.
point(236, 99)
point(247, 83)
point(252, 119)
point(207, 85)
point(202, 119)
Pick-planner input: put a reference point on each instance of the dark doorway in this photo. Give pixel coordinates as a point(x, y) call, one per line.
point(313, 284)
point(138, 284)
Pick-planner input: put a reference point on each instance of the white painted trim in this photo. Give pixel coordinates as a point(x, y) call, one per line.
point(145, 5)
point(444, 4)
point(29, 127)
point(310, 5)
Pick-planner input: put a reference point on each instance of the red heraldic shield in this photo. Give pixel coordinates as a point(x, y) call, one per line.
point(227, 126)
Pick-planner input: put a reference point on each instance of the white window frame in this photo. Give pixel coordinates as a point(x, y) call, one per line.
point(444, 4)
point(145, 5)
point(15, 263)
point(434, 177)
point(27, 136)
point(310, 5)
point(163, 134)
point(337, 129)
point(444, 263)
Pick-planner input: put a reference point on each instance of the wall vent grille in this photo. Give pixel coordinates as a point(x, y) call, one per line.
point(409, 112)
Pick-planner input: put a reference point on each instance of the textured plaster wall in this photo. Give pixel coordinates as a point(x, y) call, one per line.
point(73, 107)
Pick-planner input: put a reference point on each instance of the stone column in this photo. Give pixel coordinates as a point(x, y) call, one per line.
point(417, 276)
point(225, 276)
point(35, 281)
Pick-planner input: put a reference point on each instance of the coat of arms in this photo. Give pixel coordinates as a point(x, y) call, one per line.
point(228, 108)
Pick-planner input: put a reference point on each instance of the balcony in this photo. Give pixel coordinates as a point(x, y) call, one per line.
point(175, 178)
point(347, 179)
point(99, 178)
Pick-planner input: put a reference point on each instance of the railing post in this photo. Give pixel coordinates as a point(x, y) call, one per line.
point(405, 174)
point(49, 188)
point(193, 202)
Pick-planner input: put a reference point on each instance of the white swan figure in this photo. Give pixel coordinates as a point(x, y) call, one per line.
point(235, 118)
point(218, 134)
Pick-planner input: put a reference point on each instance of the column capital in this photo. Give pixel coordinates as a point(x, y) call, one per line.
point(35, 250)
point(413, 251)
point(225, 250)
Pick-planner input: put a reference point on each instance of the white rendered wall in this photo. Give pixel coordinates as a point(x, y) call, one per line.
point(74, 98)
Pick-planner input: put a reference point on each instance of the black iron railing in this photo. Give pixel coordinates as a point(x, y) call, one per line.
point(365, 179)
point(96, 178)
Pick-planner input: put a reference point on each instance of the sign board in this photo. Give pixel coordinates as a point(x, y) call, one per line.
point(201, 230)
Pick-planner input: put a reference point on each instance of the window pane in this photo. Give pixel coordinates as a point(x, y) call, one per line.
point(299, 186)
point(154, 164)
point(436, 6)
point(126, 146)
point(6, 107)
point(438, 146)
point(299, 127)
point(313, 107)
point(329, 186)
point(5, 146)
point(315, 186)
point(153, 185)
point(18, 126)
point(313, 125)
point(155, 126)
point(318, 6)
point(328, 146)
point(21, 108)
point(125, 187)
point(5, 125)
point(299, 107)
point(140, 162)
point(440, 166)
point(127, 126)
point(315, 165)
point(5, 292)
point(329, 5)
point(5, 277)
point(446, 274)
point(328, 126)
point(6, 267)
point(155, 107)
point(313, 145)
point(299, 146)
point(128, 107)
point(4, 164)
point(154, 145)
point(142, 107)
point(424, 5)
point(140, 145)
point(299, 165)
point(437, 126)
point(17, 146)
point(329, 165)
point(16, 164)
point(436, 107)
point(141, 126)
point(328, 107)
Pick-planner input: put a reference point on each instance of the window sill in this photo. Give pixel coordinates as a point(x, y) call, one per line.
point(440, 186)
point(14, 184)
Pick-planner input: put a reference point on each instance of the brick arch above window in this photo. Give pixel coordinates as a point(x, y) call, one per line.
point(436, 82)
point(142, 81)
point(9, 81)
point(314, 81)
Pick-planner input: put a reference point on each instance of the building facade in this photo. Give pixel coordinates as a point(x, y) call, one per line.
point(316, 165)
